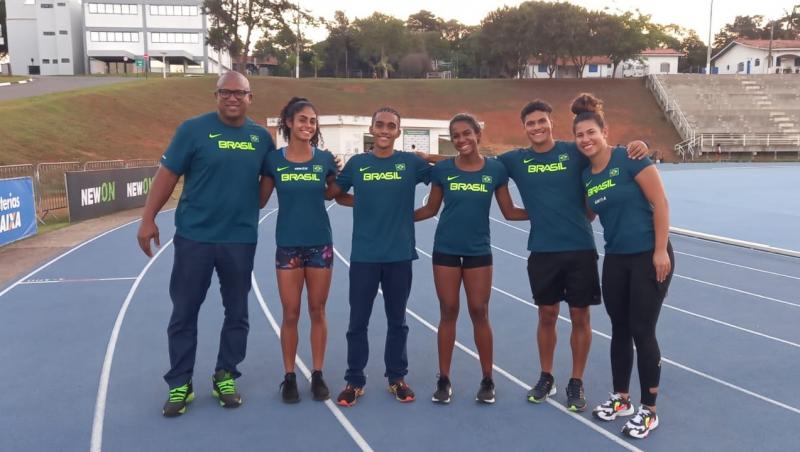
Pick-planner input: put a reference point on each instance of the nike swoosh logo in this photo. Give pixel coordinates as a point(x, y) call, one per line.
point(449, 178)
point(588, 183)
point(214, 135)
point(282, 168)
point(526, 161)
point(364, 168)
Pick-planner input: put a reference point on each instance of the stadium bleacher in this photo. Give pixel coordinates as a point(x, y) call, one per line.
point(742, 114)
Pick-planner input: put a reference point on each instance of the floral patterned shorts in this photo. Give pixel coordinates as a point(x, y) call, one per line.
point(291, 257)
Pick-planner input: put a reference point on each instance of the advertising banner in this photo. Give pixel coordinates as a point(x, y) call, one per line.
point(92, 194)
point(17, 209)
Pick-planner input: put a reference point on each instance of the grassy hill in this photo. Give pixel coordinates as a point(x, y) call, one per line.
point(137, 119)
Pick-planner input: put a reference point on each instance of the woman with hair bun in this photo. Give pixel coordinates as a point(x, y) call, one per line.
point(302, 175)
point(629, 198)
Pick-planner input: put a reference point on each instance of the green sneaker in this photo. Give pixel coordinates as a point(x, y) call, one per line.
point(178, 398)
point(224, 389)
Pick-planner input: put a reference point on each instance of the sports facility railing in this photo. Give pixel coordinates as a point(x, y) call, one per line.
point(671, 108)
point(103, 164)
point(49, 182)
point(12, 171)
point(50, 186)
point(740, 143)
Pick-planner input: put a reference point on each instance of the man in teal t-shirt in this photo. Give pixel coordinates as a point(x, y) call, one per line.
point(221, 156)
point(383, 183)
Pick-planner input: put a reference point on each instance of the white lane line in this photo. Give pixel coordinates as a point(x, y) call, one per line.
point(674, 363)
point(728, 263)
point(64, 280)
point(71, 250)
point(349, 428)
point(512, 378)
point(700, 281)
point(96, 444)
point(720, 322)
point(730, 325)
point(337, 413)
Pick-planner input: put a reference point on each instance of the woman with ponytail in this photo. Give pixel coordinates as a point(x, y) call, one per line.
point(629, 198)
point(301, 173)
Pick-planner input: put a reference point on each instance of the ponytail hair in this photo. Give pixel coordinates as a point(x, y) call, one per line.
point(294, 105)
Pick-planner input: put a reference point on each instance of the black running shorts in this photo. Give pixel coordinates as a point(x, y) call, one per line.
point(567, 275)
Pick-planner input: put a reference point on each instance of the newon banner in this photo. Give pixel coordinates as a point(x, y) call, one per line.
point(17, 209)
point(92, 194)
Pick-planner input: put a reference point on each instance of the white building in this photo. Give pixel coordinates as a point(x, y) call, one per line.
point(751, 56)
point(650, 61)
point(44, 37)
point(118, 32)
point(350, 134)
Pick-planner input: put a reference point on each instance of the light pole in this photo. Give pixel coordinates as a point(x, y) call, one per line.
point(163, 64)
point(297, 60)
point(708, 52)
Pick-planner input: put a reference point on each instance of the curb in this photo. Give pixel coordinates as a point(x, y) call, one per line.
point(20, 82)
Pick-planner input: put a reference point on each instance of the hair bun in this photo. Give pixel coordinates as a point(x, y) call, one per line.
point(587, 103)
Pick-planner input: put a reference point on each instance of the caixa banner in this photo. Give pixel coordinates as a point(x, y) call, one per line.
point(17, 209)
point(93, 194)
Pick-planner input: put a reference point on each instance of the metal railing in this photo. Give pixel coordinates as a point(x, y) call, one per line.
point(13, 171)
point(671, 108)
point(103, 164)
point(51, 187)
point(738, 143)
point(49, 182)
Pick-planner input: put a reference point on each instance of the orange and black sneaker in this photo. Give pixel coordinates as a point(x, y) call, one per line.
point(642, 424)
point(349, 395)
point(402, 392)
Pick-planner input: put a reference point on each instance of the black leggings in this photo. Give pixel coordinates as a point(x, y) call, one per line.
point(633, 301)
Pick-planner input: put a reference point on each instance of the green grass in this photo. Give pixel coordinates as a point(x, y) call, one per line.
point(6, 78)
point(137, 119)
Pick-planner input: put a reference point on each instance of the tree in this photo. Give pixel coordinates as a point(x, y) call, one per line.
point(424, 21)
point(381, 39)
point(230, 17)
point(340, 43)
point(504, 40)
point(623, 37)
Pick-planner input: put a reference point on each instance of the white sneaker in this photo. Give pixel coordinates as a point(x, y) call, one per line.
point(641, 425)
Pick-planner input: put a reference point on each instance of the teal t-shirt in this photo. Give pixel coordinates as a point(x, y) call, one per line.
point(551, 190)
point(302, 218)
point(221, 166)
point(463, 228)
point(625, 213)
point(383, 210)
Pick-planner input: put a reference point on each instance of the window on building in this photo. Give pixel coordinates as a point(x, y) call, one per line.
point(796, 61)
point(49, 33)
point(162, 10)
point(173, 10)
point(46, 5)
point(62, 4)
point(541, 68)
point(45, 61)
point(757, 63)
point(593, 68)
point(65, 60)
point(740, 67)
point(608, 66)
point(92, 8)
point(115, 8)
point(664, 68)
point(126, 9)
point(728, 67)
point(118, 36)
point(94, 36)
point(103, 36)
point(62, 32)
point(777, 61)
point(175, 38)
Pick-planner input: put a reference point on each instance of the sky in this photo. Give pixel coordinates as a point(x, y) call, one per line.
point(691, 14)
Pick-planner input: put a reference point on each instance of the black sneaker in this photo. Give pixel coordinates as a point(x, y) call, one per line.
point(486, 391)
point(615, 406)
point(178, 398)
point(444, 391)
point(402, 392)
point(349, 395)
point(576, 401)
point(641, 425)
point(544, 387)
point(319, 390)
point(224, 389)
point(289, 392)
